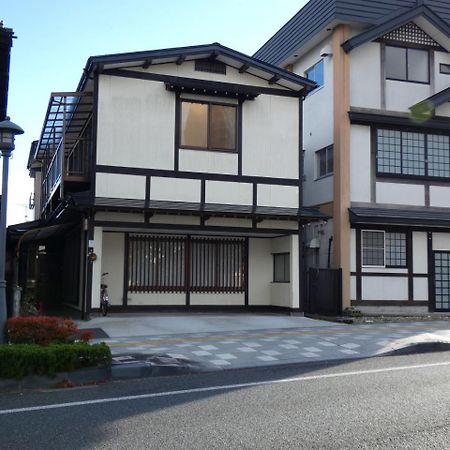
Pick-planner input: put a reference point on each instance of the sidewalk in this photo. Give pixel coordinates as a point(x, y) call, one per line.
point(274, 346)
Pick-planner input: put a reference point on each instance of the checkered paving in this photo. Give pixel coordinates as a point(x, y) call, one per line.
point(274, 346)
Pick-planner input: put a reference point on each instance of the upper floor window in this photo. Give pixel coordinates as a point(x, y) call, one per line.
point(413, 154)
point(324, 161)
point(208, 126)
point(315, 73)
point(407, 64)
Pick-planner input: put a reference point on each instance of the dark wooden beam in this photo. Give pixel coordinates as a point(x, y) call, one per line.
point(147, 63)
point(274, 79)
point(173, 81)
point(180, 60)
point(244, 68)
point(213, 56)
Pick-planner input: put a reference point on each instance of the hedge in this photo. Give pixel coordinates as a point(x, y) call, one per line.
point(44, 330)
point(18, 361)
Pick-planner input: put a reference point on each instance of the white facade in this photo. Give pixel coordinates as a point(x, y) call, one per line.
point(382, 288)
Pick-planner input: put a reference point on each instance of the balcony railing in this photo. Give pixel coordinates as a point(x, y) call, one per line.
point(65, 144)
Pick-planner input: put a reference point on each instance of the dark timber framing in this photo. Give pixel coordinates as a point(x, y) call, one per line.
point(210, 87)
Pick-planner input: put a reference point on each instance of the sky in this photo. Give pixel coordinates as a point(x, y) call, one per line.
point(56, 37)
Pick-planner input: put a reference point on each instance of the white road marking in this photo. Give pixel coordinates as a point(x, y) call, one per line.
point(226, 387)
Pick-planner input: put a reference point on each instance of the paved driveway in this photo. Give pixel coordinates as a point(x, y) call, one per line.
point(130, 325)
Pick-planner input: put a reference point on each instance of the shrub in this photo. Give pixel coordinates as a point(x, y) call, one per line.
point(44, 330)
point(18, 361)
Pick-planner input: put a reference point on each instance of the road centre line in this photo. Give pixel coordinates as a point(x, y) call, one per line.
point(221, 388)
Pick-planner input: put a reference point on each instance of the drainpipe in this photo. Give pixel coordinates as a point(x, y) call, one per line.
point(330, 241)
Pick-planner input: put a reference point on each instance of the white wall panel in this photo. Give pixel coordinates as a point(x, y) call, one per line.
point(113, 258)
point(420, 252)
point(260, 271)
point(421, 289)
point(400, 95)
point(440, 196)
point(360, 175)
point(352, 250)
point(229, 193)
point(120, 186)
point(175, 189)
point(384, 288)
point(208, 161)
point(136, 123)
point(365, 76)
point(352, 288)
point(283, 196)
point(441, 241)
point(156, 299)
point(97, 267)
point(270, 139)
point(217, 299)
point(400, 194)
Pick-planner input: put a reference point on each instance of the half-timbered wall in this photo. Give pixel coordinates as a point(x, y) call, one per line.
point(137, 130)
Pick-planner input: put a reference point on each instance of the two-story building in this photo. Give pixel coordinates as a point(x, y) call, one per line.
point(178, 173)
point(377, 141)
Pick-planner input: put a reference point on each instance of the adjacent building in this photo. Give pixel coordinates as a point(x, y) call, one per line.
point(377, 145)
point(178, 174)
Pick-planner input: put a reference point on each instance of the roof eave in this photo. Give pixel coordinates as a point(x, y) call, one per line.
point(96, 61)
point(399, 20)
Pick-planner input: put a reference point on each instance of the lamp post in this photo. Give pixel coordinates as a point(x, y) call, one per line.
point(8, 131)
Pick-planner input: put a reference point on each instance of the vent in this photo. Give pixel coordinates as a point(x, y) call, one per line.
point(411, 34)
point(211, 66)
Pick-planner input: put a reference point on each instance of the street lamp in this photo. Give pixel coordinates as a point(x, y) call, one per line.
point(8, 131)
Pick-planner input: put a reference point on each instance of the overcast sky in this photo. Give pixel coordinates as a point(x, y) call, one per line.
point(56, 37)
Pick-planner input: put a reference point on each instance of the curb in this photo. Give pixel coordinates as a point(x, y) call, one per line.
point(80, 377)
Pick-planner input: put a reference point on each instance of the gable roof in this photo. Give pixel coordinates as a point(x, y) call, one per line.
point(399, 20)
point(310, 24)
point(242, 62)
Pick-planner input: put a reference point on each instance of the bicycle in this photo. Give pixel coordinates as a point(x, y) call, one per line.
point(104, 297)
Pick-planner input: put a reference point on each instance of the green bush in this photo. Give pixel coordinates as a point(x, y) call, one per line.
point(18, 361)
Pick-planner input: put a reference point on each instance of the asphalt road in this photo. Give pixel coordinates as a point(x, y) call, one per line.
point(390, 402)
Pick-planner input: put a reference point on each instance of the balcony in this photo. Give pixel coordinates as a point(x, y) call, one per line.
point(65, 146)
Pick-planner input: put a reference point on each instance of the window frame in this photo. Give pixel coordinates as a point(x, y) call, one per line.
point(208, 147)
point(362, 250)
point(313, 67)
point(385, 250)
point(426, 133)
point(328, 148)
point(286, 277)
point(407, 48)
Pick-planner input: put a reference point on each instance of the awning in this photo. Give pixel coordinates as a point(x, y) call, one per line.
point(213, 209)
point(423, 217)
point(67, 115)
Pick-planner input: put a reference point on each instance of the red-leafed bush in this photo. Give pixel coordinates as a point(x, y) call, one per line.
point(43, 330)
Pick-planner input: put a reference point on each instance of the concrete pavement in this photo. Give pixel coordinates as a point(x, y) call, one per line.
point(296, 340)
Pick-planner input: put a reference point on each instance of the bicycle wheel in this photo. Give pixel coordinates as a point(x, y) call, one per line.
point(103, 308)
